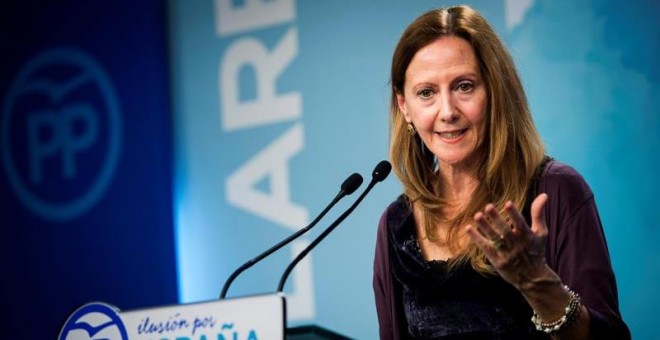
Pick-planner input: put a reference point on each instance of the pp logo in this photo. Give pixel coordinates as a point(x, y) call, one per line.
point(61, 134)
point(94, 321)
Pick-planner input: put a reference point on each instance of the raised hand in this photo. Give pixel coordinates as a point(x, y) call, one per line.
point(516, 251)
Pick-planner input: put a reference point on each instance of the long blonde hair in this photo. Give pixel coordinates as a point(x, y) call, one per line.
point(511, 151)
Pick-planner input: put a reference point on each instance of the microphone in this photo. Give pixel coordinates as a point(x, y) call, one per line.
point(350, 184)
point(378, 175)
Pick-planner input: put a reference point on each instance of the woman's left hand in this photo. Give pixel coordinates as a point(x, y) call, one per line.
point(516, 251)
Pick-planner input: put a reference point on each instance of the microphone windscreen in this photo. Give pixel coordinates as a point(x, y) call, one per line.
point(381, 171)
point(351, 183)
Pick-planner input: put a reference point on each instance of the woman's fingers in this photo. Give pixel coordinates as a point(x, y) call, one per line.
point(517, 219)
point(497, 221)
point(515, 250)
point(484, 243)
point(485, 228)
point(538, 215)
point(499, 234)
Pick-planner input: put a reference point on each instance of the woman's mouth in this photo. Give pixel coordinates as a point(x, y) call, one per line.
point(452, 135)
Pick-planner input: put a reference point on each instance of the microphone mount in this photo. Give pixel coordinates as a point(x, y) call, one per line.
point(350, 184)
point(381, 171)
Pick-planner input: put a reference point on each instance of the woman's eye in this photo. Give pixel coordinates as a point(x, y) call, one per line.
point(425, 93)
point(465, 86)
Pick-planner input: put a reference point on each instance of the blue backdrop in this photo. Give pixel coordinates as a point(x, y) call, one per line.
point(275, 102)
point(105, 195)
point(85, 175)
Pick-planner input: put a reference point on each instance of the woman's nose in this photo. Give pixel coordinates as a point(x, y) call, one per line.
point(447, 111)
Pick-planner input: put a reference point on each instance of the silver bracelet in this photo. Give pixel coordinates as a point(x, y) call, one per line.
point(570, 312)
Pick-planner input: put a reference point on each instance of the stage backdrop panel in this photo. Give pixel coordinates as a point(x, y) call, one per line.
point(85, 174)
point(276, 102)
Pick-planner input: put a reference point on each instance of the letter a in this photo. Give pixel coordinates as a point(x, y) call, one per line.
point(273, 161)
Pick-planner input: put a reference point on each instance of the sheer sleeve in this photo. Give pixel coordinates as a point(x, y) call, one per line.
point(387, 290)
point(577, 249)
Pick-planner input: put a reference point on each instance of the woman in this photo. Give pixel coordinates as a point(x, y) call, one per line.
point(491, 239)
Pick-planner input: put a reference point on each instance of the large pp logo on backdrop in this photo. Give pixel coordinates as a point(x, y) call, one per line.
point(61, 134)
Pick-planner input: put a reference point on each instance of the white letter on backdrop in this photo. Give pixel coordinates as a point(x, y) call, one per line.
point(300, 301)
point(251, 15)
point(271, 162)
point(268, 107)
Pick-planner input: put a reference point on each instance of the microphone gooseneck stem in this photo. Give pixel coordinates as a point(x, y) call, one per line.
point(325, 233)
point(276, 247)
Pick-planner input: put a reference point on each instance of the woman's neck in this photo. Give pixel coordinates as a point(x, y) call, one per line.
point(458, 183)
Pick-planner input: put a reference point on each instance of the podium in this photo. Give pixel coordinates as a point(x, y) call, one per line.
point(245, 318)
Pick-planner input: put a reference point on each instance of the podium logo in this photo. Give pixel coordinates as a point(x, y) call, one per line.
point(61, 134)
point(94, 321)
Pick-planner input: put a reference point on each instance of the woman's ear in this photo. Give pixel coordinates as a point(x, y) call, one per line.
point(401, 102)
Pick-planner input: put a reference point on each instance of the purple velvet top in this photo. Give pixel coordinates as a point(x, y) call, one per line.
point(576, 250)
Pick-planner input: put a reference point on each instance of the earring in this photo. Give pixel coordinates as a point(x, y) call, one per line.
point(411, 129)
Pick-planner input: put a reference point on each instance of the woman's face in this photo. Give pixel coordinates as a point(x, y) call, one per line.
point(444, 97)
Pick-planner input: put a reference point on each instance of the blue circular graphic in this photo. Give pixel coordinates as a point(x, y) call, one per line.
point(94, 320)
point(23, 84)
